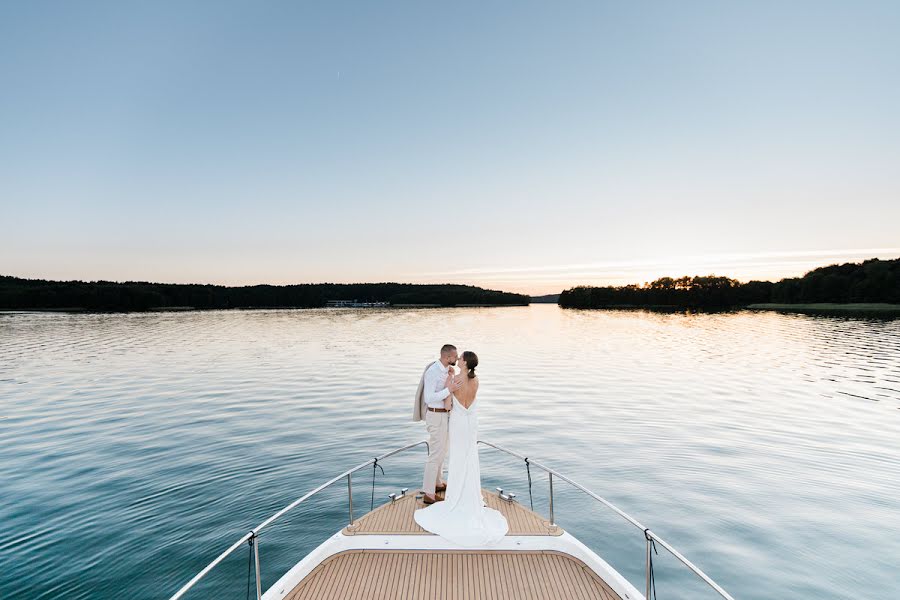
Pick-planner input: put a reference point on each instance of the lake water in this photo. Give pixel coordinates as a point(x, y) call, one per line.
point(136, 447)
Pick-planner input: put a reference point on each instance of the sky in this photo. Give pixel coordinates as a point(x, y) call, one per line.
point(523, 146)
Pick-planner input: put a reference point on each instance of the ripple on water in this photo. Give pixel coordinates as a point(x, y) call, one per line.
point(136, 447)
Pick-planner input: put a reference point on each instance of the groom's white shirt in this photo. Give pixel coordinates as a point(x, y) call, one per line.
point(434, 391)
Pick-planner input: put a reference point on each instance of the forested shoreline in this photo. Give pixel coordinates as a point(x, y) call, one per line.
point(38, 294)
point(872, 281)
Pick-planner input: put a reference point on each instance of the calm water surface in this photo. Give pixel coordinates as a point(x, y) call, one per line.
point(136, 447)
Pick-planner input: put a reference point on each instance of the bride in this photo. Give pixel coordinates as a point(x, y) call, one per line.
point(462, 517)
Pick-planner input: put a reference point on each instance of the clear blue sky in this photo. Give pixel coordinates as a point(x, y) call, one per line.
point(525, 146)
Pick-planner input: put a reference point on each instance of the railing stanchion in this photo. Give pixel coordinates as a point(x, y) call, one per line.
point(256, 560)
point(350, 495)
point(552, 520)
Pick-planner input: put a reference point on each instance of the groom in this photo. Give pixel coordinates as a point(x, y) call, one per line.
point(429, 407)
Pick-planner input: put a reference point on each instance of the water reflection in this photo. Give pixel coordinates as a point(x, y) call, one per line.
point(136, 447)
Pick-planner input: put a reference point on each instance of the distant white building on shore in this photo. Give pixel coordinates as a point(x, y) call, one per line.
point(355, 304)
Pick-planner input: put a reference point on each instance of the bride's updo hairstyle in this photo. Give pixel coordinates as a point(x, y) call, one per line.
point(471, 362)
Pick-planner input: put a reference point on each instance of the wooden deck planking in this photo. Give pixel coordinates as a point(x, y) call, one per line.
point(451, 575)
point(397, 518)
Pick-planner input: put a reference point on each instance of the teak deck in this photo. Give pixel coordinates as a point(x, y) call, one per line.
point(452, 575)
point(397, 518)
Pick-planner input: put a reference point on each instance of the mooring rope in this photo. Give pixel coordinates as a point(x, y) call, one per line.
point(249, 565)
point(375, 465)
point(650, 563)
point(528, 468)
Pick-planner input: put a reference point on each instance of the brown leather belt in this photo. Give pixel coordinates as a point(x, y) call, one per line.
point(438, 409)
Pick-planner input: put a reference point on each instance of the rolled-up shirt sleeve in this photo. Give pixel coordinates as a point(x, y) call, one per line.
point(432, 378)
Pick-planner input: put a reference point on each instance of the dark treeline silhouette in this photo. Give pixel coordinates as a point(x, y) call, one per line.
point(701, 292)
point(870, 281)
point(19, 294)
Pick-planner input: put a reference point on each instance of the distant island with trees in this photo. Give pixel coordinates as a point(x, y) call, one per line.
point(38, 294)
point(873, 285)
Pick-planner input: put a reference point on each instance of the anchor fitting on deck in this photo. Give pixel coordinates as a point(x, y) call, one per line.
point(510, 497)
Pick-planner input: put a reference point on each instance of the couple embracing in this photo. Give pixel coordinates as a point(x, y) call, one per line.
point(445, 400)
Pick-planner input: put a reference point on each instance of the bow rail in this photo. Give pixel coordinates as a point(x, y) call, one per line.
point(252, 536)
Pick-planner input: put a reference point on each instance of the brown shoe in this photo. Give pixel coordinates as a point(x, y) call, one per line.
point(441, 487)
point(427, 500)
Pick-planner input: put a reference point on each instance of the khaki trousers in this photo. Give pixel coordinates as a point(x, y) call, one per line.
point(437, 426)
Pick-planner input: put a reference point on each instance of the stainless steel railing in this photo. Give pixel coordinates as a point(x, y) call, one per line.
point(648, 534)
point(253, 535)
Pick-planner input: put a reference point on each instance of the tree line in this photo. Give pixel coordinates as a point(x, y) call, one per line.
point(871, 281)
point(22, 294)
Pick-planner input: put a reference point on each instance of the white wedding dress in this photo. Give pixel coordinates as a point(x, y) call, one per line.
point(462, 518)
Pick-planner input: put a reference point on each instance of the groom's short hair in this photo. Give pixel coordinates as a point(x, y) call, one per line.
point(447, 348)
